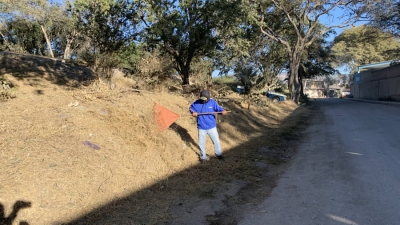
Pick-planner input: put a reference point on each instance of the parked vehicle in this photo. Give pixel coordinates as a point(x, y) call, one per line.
point(240, 89)
point(275, 97)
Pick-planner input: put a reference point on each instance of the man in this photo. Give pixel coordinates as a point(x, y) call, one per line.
point(205, 109)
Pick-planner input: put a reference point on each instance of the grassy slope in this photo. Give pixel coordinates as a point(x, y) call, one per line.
point(139, 175)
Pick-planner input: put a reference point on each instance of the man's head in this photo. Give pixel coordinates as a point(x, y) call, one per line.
point(205, 95)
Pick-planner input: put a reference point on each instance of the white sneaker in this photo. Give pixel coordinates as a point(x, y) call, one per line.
point(205, 160)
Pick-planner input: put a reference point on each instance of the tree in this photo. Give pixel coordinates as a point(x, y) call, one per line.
point(201, 70)
point(40, 11)
point(109, 27)
point(387, 18)
point(316, 61)
point(259, 68)
point(27, 35)
point(303, 18)
point(69, 38)
point(363, 45)
point(55, 22)
point(3, 28)
point(129, 56)
point(188, 29)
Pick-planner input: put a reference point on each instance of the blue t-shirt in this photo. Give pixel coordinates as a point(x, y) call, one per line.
point(205, 121)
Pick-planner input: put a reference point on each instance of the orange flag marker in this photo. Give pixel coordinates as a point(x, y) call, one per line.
point(164, 117)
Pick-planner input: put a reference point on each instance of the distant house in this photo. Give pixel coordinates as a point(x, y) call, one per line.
point(334, 91)
point(318, 89)
point(313, 88)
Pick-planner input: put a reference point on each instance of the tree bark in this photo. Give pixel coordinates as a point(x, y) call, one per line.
point(301, 76)
point(301, 85)
point(293, 83)
point(185, 74)
point(6, 43)
point(67, 51)
point(47, 41)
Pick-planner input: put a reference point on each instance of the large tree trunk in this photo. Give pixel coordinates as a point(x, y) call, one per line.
point(185, 74)
point(294, 84)
point(302, 74)
point(301, 85)
point(209, 79)
point(70, 39)
point(47, 41)
point(67, 51)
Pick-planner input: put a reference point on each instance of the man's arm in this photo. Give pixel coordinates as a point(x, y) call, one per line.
point(218, 108)
point(192, 110)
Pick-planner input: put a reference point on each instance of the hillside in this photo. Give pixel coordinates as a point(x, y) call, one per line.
point(76, 154)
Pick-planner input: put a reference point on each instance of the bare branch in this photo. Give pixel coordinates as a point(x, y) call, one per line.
point(271, 34)
point(288, 17)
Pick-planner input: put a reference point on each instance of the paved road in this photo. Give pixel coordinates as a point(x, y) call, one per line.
point(347, 170)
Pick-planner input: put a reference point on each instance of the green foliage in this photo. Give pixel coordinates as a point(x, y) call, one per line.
point(201, 70)
point(259, 68)
point(69, 40)
point(295, 24)
point(364, 45)
point(248, 76)
point(198, 36)
point(129, 56)
point(386, 17)
point(27, 35)
point(188, 30)
point(105, 25)
point(43, 13)
point(109, 28)
point(103, 5)
point(154, 67)
point(316, 61)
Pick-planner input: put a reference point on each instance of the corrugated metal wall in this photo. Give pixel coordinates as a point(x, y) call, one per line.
point(377, 85)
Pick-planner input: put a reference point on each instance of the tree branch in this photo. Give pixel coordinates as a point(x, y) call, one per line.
point(295, 26)
point(271, 34)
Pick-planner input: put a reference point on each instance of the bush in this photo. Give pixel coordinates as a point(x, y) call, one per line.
point(6, 90)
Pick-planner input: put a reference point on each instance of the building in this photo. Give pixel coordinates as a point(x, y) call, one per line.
point(378, 81)
point(318, 89)
point(313, 88)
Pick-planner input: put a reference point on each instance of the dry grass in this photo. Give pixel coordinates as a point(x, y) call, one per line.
point(138, 173)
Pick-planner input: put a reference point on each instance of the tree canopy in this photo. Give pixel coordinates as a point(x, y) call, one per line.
point(188, 29)
point(199, 36)
point(387, 17)
point(303, 19)
point(364, 45)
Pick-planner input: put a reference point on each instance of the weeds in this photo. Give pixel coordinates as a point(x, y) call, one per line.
point(7, 90)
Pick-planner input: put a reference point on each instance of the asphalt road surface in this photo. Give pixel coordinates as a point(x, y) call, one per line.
point(347, 170)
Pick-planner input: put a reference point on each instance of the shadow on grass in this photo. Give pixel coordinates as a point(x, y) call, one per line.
point(23, 66)
point(185, 136)
point(18, 205)
point(157, 204)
